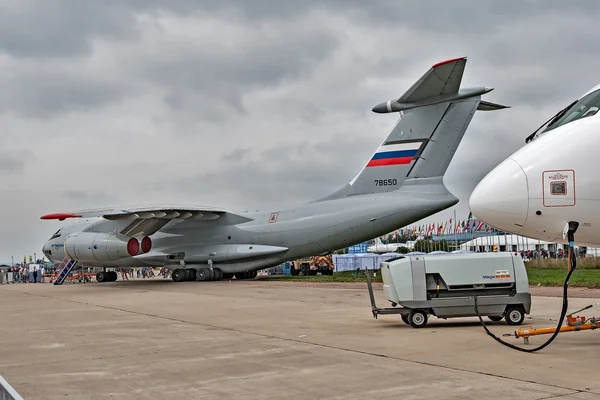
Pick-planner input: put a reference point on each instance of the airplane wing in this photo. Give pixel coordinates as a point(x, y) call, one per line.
point(148, 220)
point(442, 78)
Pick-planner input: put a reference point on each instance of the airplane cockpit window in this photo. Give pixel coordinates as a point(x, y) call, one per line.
point(56, 234)
point(585, 107)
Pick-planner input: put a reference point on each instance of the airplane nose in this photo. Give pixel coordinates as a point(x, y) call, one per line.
point(501, 199)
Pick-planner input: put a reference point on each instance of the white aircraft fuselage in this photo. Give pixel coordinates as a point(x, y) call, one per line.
point(550, 181)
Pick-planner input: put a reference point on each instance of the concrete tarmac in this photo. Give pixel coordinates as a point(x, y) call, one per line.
point(156, 339)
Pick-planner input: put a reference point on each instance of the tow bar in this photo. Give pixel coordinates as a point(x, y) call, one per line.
point(574, 324)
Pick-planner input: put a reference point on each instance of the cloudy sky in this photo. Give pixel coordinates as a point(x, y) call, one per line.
point(251, 104)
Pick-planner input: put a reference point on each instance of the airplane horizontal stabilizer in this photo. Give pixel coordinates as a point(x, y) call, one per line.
point(488, 106)
point(442, 78)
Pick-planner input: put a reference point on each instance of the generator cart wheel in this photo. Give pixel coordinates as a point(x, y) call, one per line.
point(495, 318)
point(405, 319)
point(418, 318)
point(514, 315)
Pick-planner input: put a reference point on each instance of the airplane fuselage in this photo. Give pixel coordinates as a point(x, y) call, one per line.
point(270, 237)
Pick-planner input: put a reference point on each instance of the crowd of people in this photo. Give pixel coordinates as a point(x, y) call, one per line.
point(33, 273)
point(36, 273)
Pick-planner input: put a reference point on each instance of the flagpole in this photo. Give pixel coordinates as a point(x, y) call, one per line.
point(455, 241)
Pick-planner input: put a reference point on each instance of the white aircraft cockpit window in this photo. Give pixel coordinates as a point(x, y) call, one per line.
point(587, 106)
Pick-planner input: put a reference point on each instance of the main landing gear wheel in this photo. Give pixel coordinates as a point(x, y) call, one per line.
point(102, 277)
point(209, 274)
point(112, 276)
point(405, 319)
point(417, 318)
point(218, 274)
point(190, 274)
point(514, 315)
point(203, 274)
point(178, 275)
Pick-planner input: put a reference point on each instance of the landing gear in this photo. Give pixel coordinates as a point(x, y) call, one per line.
point(102, 276)
point(200, 274)
point(218, 274)
point(183, 275)
point(209, 274)
point(190, 274)
point(203, 274)
point(246, 275)
point(106, 276)
point(179, 275)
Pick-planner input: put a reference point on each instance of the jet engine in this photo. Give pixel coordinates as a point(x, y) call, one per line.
point(104, 247)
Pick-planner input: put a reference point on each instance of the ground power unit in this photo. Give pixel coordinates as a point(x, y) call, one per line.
point(445, 286)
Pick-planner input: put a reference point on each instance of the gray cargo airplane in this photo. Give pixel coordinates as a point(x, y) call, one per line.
point(400, 184)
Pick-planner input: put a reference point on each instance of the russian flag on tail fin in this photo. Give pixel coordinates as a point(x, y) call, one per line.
point(395, 154)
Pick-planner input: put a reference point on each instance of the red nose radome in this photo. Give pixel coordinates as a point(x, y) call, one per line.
point(133, 247)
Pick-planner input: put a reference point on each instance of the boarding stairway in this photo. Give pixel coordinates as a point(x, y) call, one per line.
point(7, 392)
point(64, 269)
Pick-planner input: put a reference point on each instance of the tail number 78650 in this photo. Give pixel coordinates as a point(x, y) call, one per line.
point(386, 182)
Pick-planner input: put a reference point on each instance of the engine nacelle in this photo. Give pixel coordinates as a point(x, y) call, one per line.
point(101, 247)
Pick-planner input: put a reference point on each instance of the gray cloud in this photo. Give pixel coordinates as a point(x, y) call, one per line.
point(254, 104)
point(14, 163)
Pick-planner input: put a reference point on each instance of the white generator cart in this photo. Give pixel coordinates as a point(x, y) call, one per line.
point(445, 286)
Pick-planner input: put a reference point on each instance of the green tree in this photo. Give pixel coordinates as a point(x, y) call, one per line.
point(427, 246)
point(403, 250)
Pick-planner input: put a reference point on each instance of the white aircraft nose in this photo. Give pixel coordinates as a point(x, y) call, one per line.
point(501, 199)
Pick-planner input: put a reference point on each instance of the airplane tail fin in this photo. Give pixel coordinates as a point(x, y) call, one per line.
point(434, 115)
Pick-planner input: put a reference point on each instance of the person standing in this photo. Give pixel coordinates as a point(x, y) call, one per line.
point(35, 273)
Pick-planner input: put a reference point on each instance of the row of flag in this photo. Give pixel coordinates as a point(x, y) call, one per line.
point(445, 228)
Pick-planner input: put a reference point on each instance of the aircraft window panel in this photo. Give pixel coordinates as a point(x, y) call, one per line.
point(586, 107)
point(558, 188)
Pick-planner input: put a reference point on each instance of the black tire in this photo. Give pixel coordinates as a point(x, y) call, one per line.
point(514, 315)
point(294, 271)
point(418, 318)
point(211, 274)
point(101, 277)
point(202, 274)
point(178, 275)
point(495, 318)
point(253, 274)
point(218, 274)
point(405, 319)
point(191, 274)
point(113, 276)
